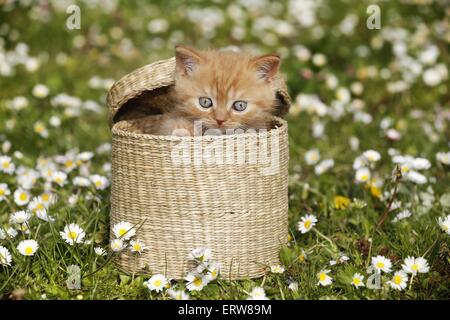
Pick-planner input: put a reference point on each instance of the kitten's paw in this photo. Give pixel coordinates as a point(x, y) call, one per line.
point(181, 132)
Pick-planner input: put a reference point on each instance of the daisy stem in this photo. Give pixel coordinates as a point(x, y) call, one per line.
point(411, 281)
point(326, 238)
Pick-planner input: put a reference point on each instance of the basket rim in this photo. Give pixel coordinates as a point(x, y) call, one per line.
point(281, 129)
point(161, 74)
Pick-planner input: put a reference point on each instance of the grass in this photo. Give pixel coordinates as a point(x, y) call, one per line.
point(112, 43)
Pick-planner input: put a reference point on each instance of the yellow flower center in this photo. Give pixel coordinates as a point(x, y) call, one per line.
point(364, 177)
point(2, 192)
point(397, 279)
point(157, 283)
point(380, 265)
point(198, 282)
point(39, 206)
point(301, 258)
point(5, 165)
point(45, 197)
point(98, 183)
point(23, 196)
point(322, 277)
point(69, 163)
point(28, 250)
point(415, 267)
point(307, 224)
point(122, 232)
point(72, 235)
point(137, 247)
point(356, 281)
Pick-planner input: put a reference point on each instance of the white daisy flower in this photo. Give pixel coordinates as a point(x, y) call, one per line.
point(402, 215)
point(99, 251)
point(362, 175)
point(48, 199)
point(137, 246)
point(421, 164)
point(444, 223)
point(60, 178)
point(312, 156)
point(381, 263)
point(6, 165)
point(277, 269)
point(306, 223)
point(20, 217)
point(117, 245)
point(12, 233)
point(157, 283)
point(28, 247)
point(324, 278)
point(415, 265)
point(100, 182)
point(178, 294)
point(293, 286)
point(196, 282)
point(124, 230)
point(85, 156)
point(36, 204)
point(4, 191)
point(73, 234)
point(443, 157)
point(323, 166)
point(213, 271)
point(40, 128)
point(257, 293)
point(371, 155)
point(21, 197)
point(398, 281)
point(40, 91)
point(81, 182)
point(416, 177)
point(2, 234)
point(357, 280)
point(201, 255)
point(5, 256)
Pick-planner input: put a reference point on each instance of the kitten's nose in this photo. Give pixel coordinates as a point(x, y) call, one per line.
point(220, 121)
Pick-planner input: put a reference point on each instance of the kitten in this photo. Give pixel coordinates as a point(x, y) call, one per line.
point(223, 90)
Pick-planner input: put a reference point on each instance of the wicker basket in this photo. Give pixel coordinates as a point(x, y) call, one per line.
point(238, 210)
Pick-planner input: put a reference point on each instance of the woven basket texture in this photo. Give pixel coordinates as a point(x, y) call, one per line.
point(236, 209)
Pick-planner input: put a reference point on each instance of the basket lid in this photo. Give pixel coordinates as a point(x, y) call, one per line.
point(161, 74)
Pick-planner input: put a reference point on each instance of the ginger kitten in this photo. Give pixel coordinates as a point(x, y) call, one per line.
point(223, 90)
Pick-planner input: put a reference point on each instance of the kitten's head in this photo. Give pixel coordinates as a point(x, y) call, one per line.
point(225, 90)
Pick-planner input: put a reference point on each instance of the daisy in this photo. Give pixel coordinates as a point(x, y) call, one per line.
point(28, 247)
point(100, 182)
point(36, 204)
point(124, 230)
point(81, 182)
point(372, 155)
point(213, 271)
point(73, 234)
point(117, 245)
point(398, 281)
point(277, 269)
point(178, 294)
point(323, 166)
point(302, 256)
point(4, 191)
point(6, 165)
point(99, 251)
point(362, 175)
point(415, 265)
point(40, 91)
point(21, 197)
point(196, 282)
point(137, 246)
point(85, 156)
point(48, 198)
point(20, 217)
point(201, 255)
point(2, 234)
point(306, 223)
point(381, 263)
point(12, 232)
point(59, 177)
point(312, 156)
point(357, 280)
point(5, 256)
point(157, 283)
point(444, 223)
point(42, 214)
point(293, 286)
point(40, 128)
point(257, 293)
point(324, 278)
point(443, 157)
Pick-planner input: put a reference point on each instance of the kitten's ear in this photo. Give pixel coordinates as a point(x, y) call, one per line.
point(186, 59)
point(266, 66)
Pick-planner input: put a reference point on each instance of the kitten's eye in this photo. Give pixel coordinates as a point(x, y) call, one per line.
point(240, 105)
point(205, 102)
